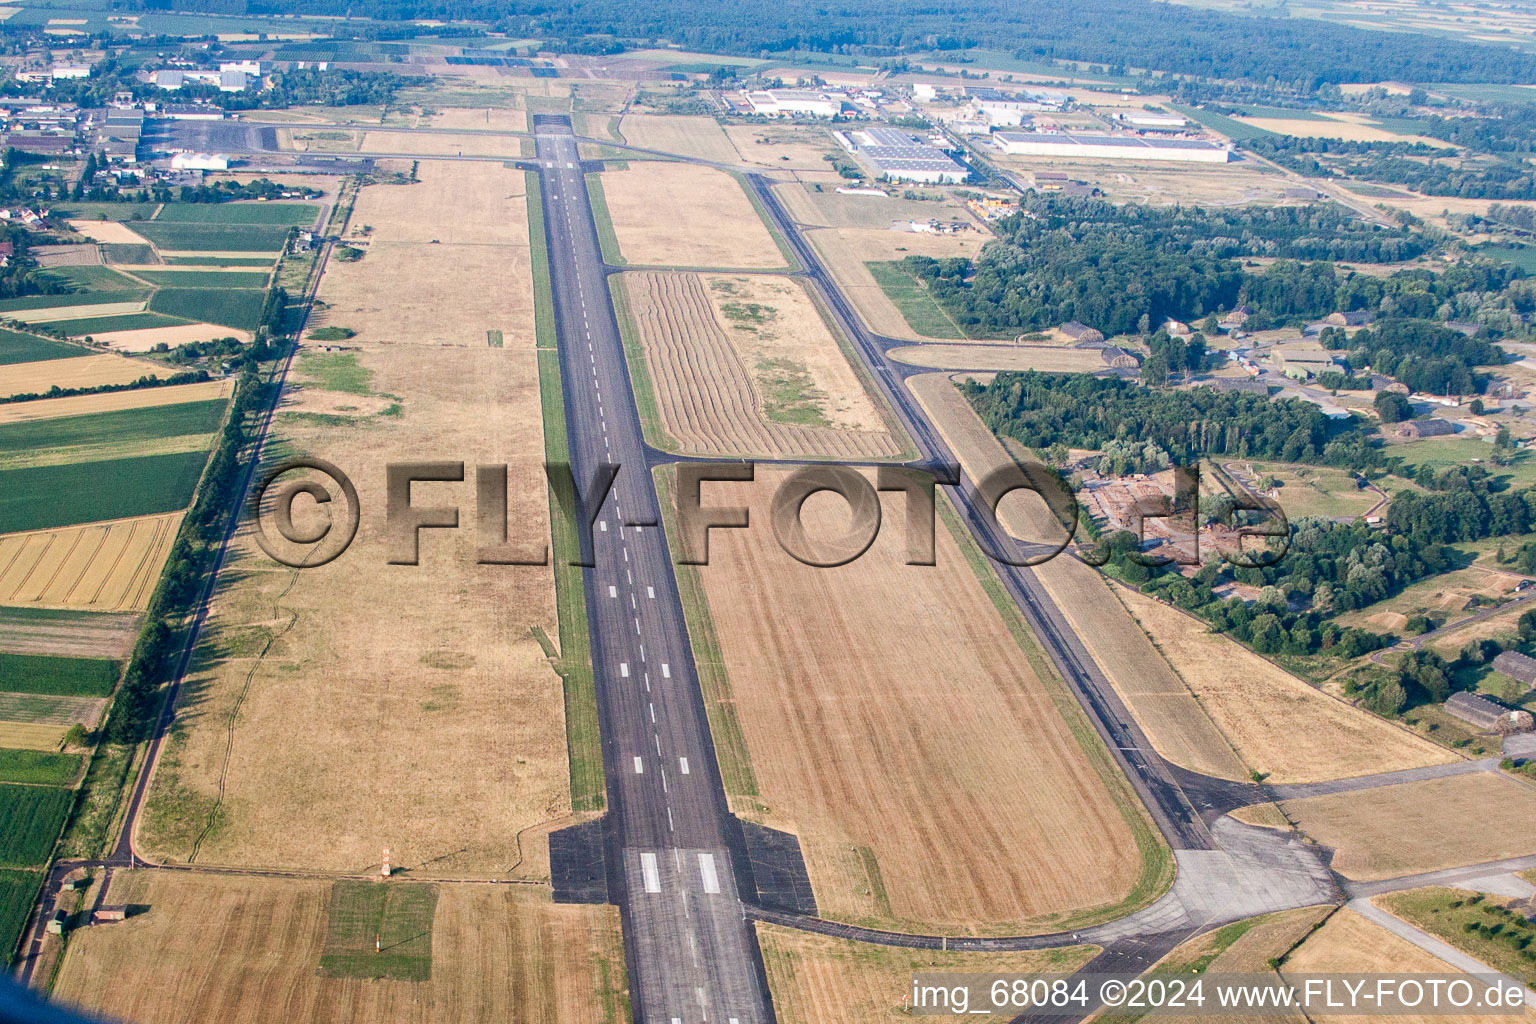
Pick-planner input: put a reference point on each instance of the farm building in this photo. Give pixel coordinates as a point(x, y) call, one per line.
point(1081, 333)
point(109, 912)
point(891, 153)
point(1110, 147)
point(1426, 428)
point(1381, 382)
point(1517, 666)
point(1302, 361)
point(200, 162)
point(1487, 715)
point(1118, 358)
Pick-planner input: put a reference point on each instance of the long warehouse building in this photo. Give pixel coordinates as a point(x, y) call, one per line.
point(1110, 147)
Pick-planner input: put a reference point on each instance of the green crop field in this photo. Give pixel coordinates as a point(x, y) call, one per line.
point(1232, 128)
point(17, 891)
point(123, 425)
point(195, 237)
point(106, 211)
point(41, 497)
point(68, 677)
point(29, 348)
point(218, 261)
point(92, 277)
point(33, 816)
point(285, 214)
point(38, 767)
point(205, 279)
point(72, 299)
point(239, 308)
point(123, 252)
point(399, 916)
point(84, 326)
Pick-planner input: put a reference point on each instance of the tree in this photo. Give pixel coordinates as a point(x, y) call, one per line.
point(1393, 407)
point(1155, 370)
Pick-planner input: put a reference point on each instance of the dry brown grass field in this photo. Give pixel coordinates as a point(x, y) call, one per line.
point(1280, 726)
point(734, 379)
point(406, 289)
point(81, 405)
point(246, 950)
point(696, 137)
point(1349, 943)
point(816, 979)
point(846, 250)
point(1350, 127)
point(893, 723)
point(488, 118)
point(1174, 721)
point(32, 735)
point(683, 215)
point(76, 372)
point(804, 147)
point(110, 231)
point(1421, 826)
point(34, 316)
point(97, 567)
point(397, 705)
point(145, 339)
point(429, 145)
point(819, 204)
point(1001, 357)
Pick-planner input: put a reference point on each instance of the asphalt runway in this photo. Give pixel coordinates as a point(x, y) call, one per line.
point(692, 954)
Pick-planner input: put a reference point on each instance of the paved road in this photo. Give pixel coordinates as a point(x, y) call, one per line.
point(692, 954)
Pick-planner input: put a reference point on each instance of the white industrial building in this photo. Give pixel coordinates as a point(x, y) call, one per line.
point(1149, 120)
point(794, 103)
point(1110, 147)
point(891, 153)
point(200, 162)
point(226, 81)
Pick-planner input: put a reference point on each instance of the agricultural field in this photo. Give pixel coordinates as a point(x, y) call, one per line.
point(460, 761)
point(43, 497)
point(682, 215)
point(1381, 833)
point(16, 347)
point(695, 137)
point(866, 748)
point(32, 816)
point(115, 401)
point(921, 311)
point(111, 566)
point(1349, 943)
point(64, 633)
point(38, 768)
point(429, 249)
point(284, 214)
point(182, 236)
point(78, 372)
point(747, 365)
point(816, 979)
point(1279, 725)
point(1050, 359)
point(496, 953)
point(87, 326)
point(17, 891)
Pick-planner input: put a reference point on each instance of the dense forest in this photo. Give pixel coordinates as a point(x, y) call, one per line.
point(1165, 427)
point(1116, 267)
point(1428, 169)
point(1423, 355)
point(1115, 33)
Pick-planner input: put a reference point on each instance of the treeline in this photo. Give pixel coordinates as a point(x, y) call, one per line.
point(134, 710)
point(1116, 268)
point(1416, 165)
point(150, 381)
point(1080, 411)
point(1115, 33)
point(1425, 356)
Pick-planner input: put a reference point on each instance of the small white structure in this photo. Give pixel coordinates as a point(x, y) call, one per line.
point(200, 162)
point(71, 71)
